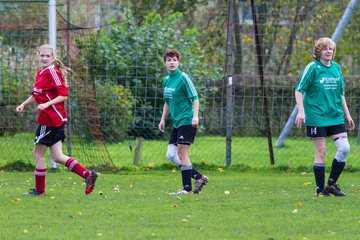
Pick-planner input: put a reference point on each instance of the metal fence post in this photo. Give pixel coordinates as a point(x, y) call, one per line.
point(229, 110)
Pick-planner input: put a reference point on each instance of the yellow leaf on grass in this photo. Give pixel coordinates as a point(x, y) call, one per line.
point(78, 213)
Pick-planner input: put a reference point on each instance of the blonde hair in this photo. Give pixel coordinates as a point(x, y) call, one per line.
point(321, 44)
point(57, 63)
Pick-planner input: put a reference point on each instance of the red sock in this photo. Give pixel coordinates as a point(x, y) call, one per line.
point(77, 168)
point(40, 175)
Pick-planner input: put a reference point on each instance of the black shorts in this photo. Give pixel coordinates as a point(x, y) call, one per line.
point(321, 132)
point(49, 135)
point(183, 135)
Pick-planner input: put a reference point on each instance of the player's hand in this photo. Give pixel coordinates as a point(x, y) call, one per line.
point(42, 106)
point(161, 126)
point(350, 123)
point(300, 119)
point(20, 108)
point(195, 122)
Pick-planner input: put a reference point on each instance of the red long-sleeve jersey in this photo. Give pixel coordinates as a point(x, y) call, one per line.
point(48, 85)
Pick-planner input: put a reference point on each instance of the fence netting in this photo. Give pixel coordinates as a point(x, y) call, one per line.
point(115, 51)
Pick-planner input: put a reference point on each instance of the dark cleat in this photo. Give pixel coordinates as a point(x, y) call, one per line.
point(335, 190)
point(33, 192)
point(199, 183)
point(90, 182)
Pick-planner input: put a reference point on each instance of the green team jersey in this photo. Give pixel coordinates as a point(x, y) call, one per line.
point(322, 88)
point(179, 94)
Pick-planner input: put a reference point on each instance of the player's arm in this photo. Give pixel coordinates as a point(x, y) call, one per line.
point(300, 118)
point(28, 101)
point(192, 94)
point(195, 120)
point(165, 113)
point(54, 101)
point(348, 117)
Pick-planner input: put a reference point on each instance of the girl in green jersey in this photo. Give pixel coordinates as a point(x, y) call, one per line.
point(322, 109)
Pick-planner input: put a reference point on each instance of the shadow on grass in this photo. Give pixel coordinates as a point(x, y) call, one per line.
point(18, 166)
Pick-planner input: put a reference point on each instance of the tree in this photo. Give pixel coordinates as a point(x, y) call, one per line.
point(130, 55)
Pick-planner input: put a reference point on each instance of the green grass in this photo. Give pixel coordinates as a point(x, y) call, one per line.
point(265, 202)
point(208, 152)
point(297, 154)
point(260, 205)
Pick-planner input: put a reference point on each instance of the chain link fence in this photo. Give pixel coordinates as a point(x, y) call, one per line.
point(115, 49)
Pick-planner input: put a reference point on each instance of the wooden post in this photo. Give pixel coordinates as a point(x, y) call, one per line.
point(259, 53)
point(138, 151)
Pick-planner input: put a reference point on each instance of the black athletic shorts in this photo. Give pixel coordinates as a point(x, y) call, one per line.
point(49, 135)
point(183, 135)
point(321, 132)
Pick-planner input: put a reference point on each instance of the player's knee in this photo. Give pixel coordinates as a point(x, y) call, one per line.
point(171, 151)
point(172, 155)
point(343, 149)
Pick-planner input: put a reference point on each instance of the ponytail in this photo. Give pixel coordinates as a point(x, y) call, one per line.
point(63, 69)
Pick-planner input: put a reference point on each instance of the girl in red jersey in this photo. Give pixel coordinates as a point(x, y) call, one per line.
point(50, 93)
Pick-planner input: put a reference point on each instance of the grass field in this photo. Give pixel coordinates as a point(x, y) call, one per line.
point(248, 200)
point(208, 151)
point(234, 205)
point(247, 153)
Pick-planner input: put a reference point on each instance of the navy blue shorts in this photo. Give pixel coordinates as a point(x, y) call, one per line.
point(183, 135)
point(49, 135)
point(321, 132)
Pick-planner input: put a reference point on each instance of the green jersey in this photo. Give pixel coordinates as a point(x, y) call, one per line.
point(322, 87)
point(179, 94)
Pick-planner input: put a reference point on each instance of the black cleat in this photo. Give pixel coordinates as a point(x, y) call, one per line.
point(322, 193)
point(33, 192)
point(335, 190)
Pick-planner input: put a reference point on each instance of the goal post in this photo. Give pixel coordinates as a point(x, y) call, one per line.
point(22, 32)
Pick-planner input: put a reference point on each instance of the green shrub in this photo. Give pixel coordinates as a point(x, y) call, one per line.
point(114, 103)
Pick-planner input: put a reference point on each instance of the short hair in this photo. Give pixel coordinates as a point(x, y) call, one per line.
point(171, 53)
point(321, 44)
